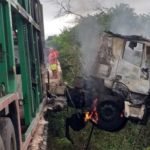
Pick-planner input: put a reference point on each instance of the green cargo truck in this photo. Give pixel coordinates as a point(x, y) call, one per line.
point(21, 71)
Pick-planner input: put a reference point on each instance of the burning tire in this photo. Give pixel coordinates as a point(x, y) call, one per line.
point(110, 110)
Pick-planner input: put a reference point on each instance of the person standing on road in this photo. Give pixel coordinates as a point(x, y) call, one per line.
point(53, 61)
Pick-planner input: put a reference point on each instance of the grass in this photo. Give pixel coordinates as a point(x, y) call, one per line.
point(132, 137)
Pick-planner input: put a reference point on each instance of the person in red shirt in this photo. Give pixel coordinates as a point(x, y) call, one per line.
point(53, 61)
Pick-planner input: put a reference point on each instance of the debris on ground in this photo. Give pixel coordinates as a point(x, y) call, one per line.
point(55, 103)
point(39, 141)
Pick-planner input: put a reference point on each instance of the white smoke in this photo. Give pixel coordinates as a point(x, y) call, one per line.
point(125, 21)
point(88, 36)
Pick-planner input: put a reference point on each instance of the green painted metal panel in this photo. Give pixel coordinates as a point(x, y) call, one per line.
point(33, 67)
point(3, 61)
point(37, 48)
point(34, 121)
point(10, 47)
point(27, 5)
point(24, 4)
point(18, 5)
point(25, 70)
point(20, 2)
point(29, 59)
point(37, 66)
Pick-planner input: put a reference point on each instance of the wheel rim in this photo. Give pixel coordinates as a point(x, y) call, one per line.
point(108, 112)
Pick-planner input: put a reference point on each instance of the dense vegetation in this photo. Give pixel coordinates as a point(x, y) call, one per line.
point(120, 19)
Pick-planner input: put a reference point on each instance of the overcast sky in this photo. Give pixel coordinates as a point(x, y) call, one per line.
point(55, 25)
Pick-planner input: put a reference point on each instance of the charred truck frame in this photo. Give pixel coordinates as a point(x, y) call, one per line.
point(118, 88)
point(123, 63)
point(21, 63)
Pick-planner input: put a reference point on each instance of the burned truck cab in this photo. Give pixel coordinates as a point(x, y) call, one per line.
point(123, 62)
point(119, 86)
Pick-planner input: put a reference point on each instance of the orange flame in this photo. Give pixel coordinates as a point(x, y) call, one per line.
point(92, 115)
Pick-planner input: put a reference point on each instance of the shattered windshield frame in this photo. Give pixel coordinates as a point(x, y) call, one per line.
point(133, 53)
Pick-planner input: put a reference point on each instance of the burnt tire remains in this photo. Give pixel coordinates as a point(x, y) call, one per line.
point(111, 117)
point(76, 122)
point(7, 133)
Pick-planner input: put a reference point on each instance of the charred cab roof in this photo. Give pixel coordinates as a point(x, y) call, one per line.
point(128, 37)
